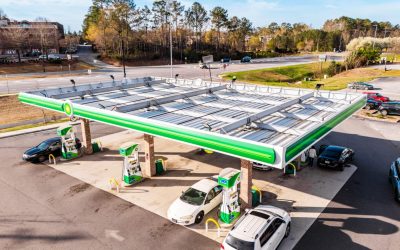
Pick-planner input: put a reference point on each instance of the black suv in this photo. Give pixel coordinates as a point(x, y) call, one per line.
point(390, 108)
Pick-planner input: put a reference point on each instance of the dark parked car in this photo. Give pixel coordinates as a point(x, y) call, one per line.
point(226, 60)
point(360, 85)
point(372, 104)
point(394, 175)
point(390, 108)
point(334, 156)
point(42, 151)
point(246, 59)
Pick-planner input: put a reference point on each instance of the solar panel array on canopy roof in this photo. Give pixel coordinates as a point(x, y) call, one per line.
point(270, 125)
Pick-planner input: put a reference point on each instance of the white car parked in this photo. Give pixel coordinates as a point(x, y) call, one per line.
point(262, 167)
point(263, 227)
point(195, 202)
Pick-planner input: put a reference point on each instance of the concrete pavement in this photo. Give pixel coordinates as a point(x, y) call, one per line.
point(303, 196)
point(48, 209)
point(41, 208)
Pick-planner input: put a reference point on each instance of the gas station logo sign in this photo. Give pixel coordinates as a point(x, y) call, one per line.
point(68, 109)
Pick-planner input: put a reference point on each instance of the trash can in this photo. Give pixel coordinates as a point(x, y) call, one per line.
point(159, 167)
point(95, 147)
point(255, 198)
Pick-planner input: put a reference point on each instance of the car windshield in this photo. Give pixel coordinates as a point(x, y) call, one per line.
point(193, 196)
point(43, 145)
point(331, 153)
point(238, 243)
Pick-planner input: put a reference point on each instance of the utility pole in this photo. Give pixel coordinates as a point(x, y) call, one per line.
point(376, 29)
point(123, 56)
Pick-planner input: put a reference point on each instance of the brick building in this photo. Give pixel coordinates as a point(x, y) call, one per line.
point(19, 38)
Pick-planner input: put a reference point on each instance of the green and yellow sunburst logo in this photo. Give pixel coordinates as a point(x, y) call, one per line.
point(68, 109)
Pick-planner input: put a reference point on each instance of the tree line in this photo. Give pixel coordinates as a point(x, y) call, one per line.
point(120, 27)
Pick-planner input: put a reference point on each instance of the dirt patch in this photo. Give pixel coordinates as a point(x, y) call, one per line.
point(139, 62)
point(375, 115)
point(37, 67)
point(13, 111)
point(78, 189)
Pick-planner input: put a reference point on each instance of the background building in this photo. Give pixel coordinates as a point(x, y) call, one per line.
point(24, 38)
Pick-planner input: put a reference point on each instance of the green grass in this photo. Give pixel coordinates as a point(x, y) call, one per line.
point(32, 125)
point(293, 76)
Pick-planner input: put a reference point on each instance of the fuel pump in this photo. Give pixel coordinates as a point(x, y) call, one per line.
point(131, 171)
point(229, 179)
point(69, 145)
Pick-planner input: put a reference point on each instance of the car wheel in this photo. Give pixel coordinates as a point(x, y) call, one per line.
point(384, 112)
point(41, 158)
point(341, 168)
point(368, 107)
point(199, 217)
point(287, 232)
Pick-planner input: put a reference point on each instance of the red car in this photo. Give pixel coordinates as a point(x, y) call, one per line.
point(376, 97)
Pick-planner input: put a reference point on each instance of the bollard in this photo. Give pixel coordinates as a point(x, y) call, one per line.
point(216, 224)
point(113, 182)
point(52, 157)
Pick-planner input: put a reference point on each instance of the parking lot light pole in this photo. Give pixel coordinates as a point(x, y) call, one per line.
point(170, 36)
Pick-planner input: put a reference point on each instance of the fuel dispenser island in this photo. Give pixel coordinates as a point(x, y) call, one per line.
point(229, 179)
point(70, 148)
point(131, 171)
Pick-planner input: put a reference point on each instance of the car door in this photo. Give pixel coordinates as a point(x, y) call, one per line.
point(209, 201)
point(396, 180)
point(265, 237)
point(218, 195)
point(397, 109)
point(55, 148)
point(278, 232)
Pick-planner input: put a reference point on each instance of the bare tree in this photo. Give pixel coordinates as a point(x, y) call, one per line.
point(17, 39)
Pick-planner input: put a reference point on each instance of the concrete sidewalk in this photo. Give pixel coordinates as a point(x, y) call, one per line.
point(304, 196)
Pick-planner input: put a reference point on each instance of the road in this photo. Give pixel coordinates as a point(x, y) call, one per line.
point(364, 214)
point(186, 71)
point(41, 208)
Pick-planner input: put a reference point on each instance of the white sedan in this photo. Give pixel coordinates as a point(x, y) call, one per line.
point(195, 202)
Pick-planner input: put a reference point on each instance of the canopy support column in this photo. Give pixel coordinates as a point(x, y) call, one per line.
point(86, 136)
point(149, 164)
point(246, 183)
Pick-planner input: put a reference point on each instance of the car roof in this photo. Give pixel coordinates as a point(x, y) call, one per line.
point(205, 185)
point(335, 148)
point(250, 226)
point(392, 102)
point(52, 139)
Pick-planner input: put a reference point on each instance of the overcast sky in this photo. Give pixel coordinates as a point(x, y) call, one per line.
point(70, 13)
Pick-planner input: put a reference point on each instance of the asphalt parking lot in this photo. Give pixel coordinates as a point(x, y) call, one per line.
point(388, 86)
point(45, 208)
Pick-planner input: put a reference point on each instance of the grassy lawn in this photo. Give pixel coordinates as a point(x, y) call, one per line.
point(14, 111)
point(391, 57)
point(37, 67)
point(293, 76)
point(32, 125)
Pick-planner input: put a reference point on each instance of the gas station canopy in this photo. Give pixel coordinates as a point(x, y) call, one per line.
point(269, 125)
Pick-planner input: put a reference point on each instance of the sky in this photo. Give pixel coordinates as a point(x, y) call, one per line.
point(70, 13)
